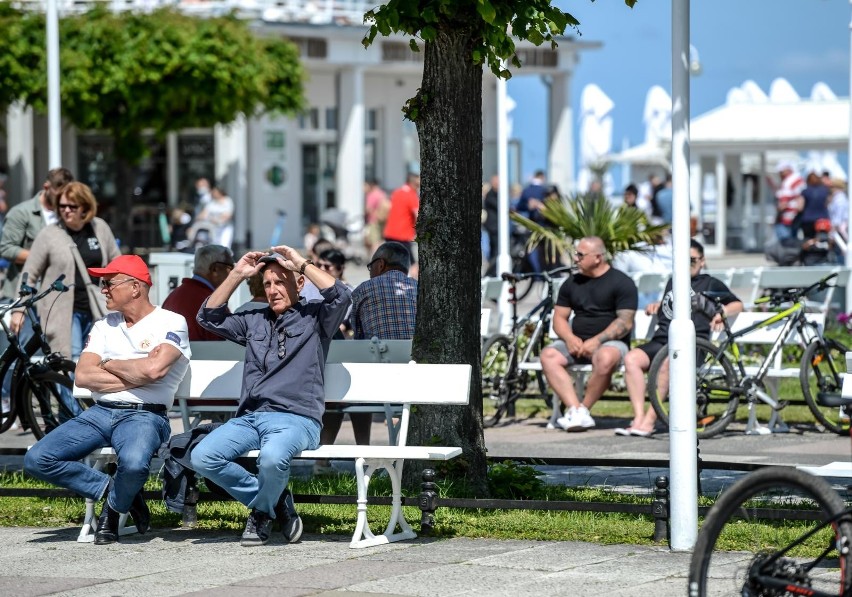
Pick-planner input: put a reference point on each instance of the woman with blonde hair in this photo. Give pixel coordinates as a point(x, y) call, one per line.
point(78, 240)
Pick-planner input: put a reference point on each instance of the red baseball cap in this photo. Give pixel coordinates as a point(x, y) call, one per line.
point(131, 265)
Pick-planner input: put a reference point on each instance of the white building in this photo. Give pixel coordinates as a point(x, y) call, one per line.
point(354, 127)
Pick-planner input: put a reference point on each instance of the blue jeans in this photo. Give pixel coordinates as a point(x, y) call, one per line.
point(278, 436)
point(134, 434)
point(81, 325)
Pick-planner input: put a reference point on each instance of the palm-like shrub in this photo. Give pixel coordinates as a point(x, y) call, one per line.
point(621, 228)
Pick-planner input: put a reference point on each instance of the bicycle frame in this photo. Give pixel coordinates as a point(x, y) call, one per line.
point(793, 317)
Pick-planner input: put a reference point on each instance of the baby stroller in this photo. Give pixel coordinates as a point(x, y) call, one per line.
point(334, 227)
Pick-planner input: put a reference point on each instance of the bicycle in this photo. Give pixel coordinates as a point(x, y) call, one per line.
point(723, 380)
point(35, 399)
point(504, 379)
point(782, 559)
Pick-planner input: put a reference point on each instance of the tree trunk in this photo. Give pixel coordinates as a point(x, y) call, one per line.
point(449, 124)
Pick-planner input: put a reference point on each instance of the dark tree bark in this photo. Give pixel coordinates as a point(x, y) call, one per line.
point(449, 124)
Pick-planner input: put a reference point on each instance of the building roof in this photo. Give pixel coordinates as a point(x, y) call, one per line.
point(803, 125)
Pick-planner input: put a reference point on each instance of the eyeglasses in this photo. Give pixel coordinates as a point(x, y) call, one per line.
point(68, 206)
point(694, 260)
point(110, 284)
point(228, 266)
point(282, 346)
point(370, 265)
point(580, 255)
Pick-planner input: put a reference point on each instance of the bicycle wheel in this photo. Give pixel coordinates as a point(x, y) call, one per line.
point(793, 551)
point(9, 410)
point(40, 393)
point(716, 404)
point(821, 373)
point(499, 376)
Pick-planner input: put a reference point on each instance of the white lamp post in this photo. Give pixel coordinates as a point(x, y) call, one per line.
point(54, 116)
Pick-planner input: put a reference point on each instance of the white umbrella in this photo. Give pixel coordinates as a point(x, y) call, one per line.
point(595, 131)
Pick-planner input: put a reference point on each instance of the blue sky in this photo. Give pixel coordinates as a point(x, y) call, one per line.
point(804, 41)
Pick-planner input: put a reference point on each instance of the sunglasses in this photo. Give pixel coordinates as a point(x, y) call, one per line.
point(694, 260)
point(282, 346)
point(370, 265)
point(329, 266)
point(68, 206)
point(580, 255)
point(110, 284)
point(228, 266)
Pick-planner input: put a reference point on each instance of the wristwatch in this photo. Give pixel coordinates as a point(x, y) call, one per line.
point(305, 264)
point(104, 362)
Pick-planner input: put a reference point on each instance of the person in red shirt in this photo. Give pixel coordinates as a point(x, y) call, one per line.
point(212, 265)
point(402, 218)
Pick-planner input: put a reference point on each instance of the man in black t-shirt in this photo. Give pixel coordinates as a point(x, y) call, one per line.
point(638, 361)
point(603, 301)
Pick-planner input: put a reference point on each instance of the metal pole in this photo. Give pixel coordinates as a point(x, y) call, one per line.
point(847, 260)
point(684, 486)
point(54, 116)
point(504, 262)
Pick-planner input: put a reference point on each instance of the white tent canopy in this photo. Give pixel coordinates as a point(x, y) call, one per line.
point(803, 125)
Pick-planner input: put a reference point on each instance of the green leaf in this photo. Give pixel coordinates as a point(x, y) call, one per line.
point(486, 10)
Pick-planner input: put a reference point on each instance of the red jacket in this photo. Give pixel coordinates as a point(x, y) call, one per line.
point(186, 300)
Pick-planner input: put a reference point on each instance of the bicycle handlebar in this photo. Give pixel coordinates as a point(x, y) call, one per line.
point(28, 291)
point(794, 294)
point(512, 277)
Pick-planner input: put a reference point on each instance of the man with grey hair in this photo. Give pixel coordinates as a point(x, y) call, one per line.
point(25, 221)
point(212, 265)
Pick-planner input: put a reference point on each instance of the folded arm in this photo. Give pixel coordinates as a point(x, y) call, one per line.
point(123, 374)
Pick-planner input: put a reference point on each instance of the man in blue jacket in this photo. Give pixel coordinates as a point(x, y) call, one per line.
point(282, 399)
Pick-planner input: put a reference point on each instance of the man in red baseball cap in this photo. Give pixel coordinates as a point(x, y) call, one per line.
point(133, 361)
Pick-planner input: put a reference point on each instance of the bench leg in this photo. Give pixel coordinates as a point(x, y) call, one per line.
point(363, 536)
point(90, 519)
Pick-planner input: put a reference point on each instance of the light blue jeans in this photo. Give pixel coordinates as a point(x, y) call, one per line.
point(278, 436)
point(134, 434)
point(81, 325)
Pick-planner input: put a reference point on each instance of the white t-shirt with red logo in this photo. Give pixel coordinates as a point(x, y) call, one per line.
point(111, 338)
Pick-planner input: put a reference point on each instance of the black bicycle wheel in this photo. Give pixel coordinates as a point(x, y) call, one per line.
point(9, 410)
point(499, 378)
point(788, 547)
point(41, 394)
point(821, 374)
point(716, 379)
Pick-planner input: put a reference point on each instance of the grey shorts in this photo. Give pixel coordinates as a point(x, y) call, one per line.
point(563, 350)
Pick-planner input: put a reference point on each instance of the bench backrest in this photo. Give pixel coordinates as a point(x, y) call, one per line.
point(347, 383)
point(369, 351)
point(354, 351)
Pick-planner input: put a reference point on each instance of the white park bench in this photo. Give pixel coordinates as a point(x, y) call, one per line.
point(345, 383)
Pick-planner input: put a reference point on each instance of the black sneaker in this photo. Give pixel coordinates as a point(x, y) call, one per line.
point(258, 528)
point(291, 522)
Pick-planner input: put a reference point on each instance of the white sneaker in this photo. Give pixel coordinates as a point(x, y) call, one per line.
point(577, 420)
point(566, 421)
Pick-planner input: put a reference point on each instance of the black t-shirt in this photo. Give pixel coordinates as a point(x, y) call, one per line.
point(90, 251)
point(595, 301)
point(700, 283)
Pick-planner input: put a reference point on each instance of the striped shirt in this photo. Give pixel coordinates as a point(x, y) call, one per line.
point(385, 307)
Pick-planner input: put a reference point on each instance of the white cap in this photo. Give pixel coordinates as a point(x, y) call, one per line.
point(785, 165)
